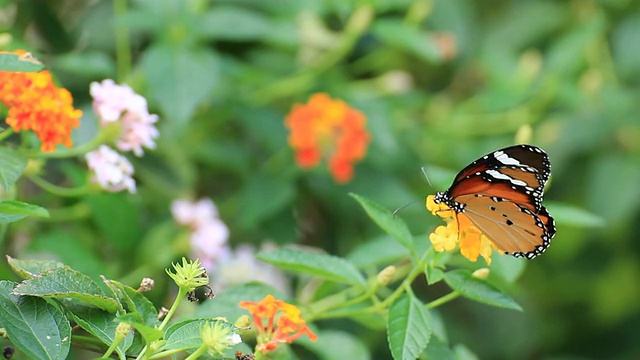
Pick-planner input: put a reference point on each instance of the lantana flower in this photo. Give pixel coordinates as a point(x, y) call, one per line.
point(113, 103)
point(208, 234)
point(328, 128)
point(459, 231)
point(37, 104)
point(111, 170)
point(277, 322)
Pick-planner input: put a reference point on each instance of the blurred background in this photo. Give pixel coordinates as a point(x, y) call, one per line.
point(441, 82)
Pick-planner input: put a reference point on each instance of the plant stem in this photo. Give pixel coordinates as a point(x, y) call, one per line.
point(59, 190)
point(442, 300)
point(76, 151)
point(201, 350)
point(6, 133)
point(123, 49)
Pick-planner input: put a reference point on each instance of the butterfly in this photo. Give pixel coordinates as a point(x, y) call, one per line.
point(501, 193)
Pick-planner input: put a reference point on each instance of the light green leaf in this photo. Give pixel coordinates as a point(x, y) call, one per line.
point(149, 333)
point(64, 283)
point(12, 210)
point(408, 328)
point(334, 344)
point(12, 165)
point(380, 251)
point(324, 266)
point(414, 40)
point(394, 226)
point(28, 268)
point(479, 290)
point(135, 302)
point(17, 62)
point(226, 303)
point(34, 326)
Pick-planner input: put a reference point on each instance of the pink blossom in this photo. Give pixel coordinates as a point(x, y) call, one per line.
point(194, 214)
point(113, 102)
point(111, 170)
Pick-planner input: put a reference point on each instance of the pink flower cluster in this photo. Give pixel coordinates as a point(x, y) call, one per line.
point(113, 102)
point(111, 170)
point(208, 234)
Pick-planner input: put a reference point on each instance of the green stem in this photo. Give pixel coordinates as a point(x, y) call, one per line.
point(80, 210)
point(6, 133)
point(123, 48)
point(201, 350)
point(442, 300)
point(73, 152)
point(59, 190)
point(406, 283)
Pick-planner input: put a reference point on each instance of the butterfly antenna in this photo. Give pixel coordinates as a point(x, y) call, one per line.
point(424, 172)
point(400, 208)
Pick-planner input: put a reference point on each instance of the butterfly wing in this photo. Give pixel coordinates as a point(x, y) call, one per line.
point(512, 227)
point(517, 173)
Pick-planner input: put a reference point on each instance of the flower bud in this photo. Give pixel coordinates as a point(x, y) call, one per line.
point(482, 273)
point(386, 275)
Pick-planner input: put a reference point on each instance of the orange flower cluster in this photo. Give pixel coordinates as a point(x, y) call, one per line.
point(328, 127)
point(459, 231)
point(288, 327)
point(35, 103)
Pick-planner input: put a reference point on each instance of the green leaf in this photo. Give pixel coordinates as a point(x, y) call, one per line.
point(226, 303)
point(186, 334)
point(149, 333)
point(136, 302)
point(233, 23)
point(180, 79)
point(324, 266)
point(100, 324)
point(507, 267)
point(12, 165)
point(17, 62)
point(408, 328)
point(34, 326)
point(412, 39)
point(28, 268)
point(263, 197)
point(574, 216)
point(435, 264)
point(478, 290)
point(64, 283)
point(12, 210)
point(394, 226)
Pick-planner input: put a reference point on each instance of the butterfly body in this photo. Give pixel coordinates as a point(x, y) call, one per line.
point(501, 193)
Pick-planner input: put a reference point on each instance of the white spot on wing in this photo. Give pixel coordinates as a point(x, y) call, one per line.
point(500, 176)
point(505, 159)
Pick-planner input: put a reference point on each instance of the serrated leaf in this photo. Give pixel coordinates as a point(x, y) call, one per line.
point(12, 210)
point(324, 266)
point(408, 328)
point(186, 334)
point(19, 62)
point(136, 302)
point(27, 268)
point(393, 226)
point(479, 290)
point(34, 326)
point(100, 324)
point(67, 283)
point(12, 165)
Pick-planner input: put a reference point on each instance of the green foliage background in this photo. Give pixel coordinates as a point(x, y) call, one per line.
point(442, 82)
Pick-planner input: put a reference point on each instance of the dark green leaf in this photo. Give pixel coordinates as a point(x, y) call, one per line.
point(16, 62)
point(316, 264)
point(136, 302)
point(478, 290)
point(234, 23)
point(408, 328)
point(100, 324)
point(394, 226)
point(12, 165)
point(34, 326)
point(27, 268)
point(12, 210)
point(226, 303)
point(64, 283)
point(263, 197)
